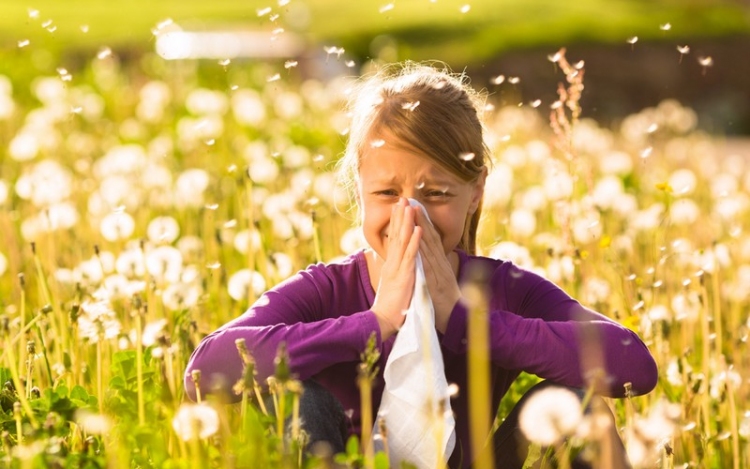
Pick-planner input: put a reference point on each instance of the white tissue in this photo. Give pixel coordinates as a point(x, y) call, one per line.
point(415, 403)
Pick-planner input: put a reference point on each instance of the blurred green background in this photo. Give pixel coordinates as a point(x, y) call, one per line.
point(630, 46)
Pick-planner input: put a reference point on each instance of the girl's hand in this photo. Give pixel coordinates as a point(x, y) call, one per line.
point(397, 273)
point(439, 273)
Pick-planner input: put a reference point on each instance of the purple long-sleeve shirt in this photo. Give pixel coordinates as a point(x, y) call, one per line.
point(323, 315)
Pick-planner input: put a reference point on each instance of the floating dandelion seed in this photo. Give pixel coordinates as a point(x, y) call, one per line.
point(420, 185)
point(467, 156)
point(277, 31)
point(410, 106)
point(274, 17)
point(234, 87)
point(536, 103)
point(386, 8)
point(554, 58)
point(263, 11)
point(646, 152)
point(338, 51)
point(103, 53)
point(579, 65)
point(84, 28)
point(465, 8)
point(349, 63)
point(46, 24)
point(665, 27)
point(652, 128)
point(224, 62)
point(283, 3)
point(52, 29)
point(290, 64)
point(162, 25)
point(377, 143)
point(632, 40)
point(273, 78)
point(514, 80)
point(556, 105)
point(683, 49)
point(33, 13)
point(210, 141)
point(23, 43)
point(706, 62)
point(498, 80)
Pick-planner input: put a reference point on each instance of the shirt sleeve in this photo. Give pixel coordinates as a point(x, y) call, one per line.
point(534, 326)
point(296, 312)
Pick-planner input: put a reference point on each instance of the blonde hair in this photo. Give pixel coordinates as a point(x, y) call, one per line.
point(426, 108)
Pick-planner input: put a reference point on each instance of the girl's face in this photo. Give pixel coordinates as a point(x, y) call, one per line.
point(388, 172)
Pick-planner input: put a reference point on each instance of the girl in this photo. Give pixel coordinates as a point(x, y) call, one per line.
point(416, 133)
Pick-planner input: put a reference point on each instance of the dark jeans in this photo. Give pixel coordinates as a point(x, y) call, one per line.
point(325, 422)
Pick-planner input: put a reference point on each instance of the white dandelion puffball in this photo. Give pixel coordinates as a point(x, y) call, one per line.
point(522, 223)
point(248, 107)
point(116, 226)
point(164, 263)
point(3, 192)
point(244, 281)
point(190, 186)
point(550, 415)
point(195, 421)
point(163, 230)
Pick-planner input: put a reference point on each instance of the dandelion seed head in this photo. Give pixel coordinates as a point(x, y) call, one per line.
point(195, 421)
point(554, 58)
point(244, 281)
point(550, 415)
point(92, 423)
point(163, 229)
point(683, 49)
point(498, 80)
point(632, 40)
point(706, 61)
point(665, 27)
point(117, 226)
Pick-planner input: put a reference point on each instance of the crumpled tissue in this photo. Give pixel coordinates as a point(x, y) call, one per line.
point(420, 427)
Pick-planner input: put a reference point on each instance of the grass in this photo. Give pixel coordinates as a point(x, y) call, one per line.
point(102, 301)
point(422, 29)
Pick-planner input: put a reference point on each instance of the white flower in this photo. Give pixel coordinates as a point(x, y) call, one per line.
point(522, 223)
point(508, 250)
point(116, 226)
point(684, 212)
point(179, 295)
point(164, 263)
point(550, 415)
point(244, 281)
point(163, 230)
point(204, 101)
point(248, 107)
point(96, 424)
point(616, 163)
point(683, 181)
point(190, 186)
point(195, 421)
point(607, 191)
point(98, 321)
point(288, 105)
point(24, 146)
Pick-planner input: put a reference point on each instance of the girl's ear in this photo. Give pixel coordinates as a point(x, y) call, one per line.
point(478, 190)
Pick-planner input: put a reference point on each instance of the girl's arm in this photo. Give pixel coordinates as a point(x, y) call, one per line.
point(296, 312)
point(536, 327)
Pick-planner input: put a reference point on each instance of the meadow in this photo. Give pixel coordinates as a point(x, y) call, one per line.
point(143, 206)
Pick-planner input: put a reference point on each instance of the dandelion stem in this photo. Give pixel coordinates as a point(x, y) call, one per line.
point(478, 370)
point(99, 379)
point(139, 367)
